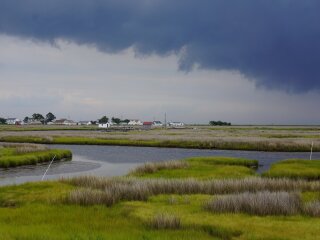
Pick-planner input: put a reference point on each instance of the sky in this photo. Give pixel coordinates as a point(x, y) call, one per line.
point(245, 62)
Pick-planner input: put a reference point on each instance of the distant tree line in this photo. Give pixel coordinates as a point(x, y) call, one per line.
point(3, 121)
point(39, 117)
point(114, 120)
point(219, 123)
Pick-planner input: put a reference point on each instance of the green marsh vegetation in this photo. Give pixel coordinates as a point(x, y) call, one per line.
point(13, 155)
point(295, 168)
point(235, 144)
point(45, 210)
point(165, 205)
point(172, 209)
point(198, 167)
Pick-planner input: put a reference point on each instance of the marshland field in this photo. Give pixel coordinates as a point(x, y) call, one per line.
point(209, 197)
point(260, 138)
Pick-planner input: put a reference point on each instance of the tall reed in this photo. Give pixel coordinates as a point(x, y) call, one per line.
point(21, 148)
point(128, 188)
point(165, 221)
point(260, 203)
point(157, 166)
point(312, 209)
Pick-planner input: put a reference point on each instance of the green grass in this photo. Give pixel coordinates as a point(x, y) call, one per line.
point(206, 168)
point(36, 212)
point(25, 139)
point(9, 158)
point(243, 225)
point(223, 161)
point(39, 215)
point(213, 144)
point(295, 168)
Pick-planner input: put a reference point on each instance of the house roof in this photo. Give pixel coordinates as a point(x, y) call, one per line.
point(60, 120)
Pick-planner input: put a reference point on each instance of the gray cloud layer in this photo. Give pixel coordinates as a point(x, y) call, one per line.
point(274, 42)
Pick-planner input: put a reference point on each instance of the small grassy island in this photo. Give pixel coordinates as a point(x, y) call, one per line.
point(295, 168)
point(196, 198)
point(13, 155)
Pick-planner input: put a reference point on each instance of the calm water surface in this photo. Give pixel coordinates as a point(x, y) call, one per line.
point(118, 160)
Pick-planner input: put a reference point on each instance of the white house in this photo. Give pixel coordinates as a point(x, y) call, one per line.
point(69, 122)
point(32, 121)
point(135, 122)
point(13, 121)
point(64, 121)
point(84, 123)
point(104, 125)
point(176, 124)
point(157, 124)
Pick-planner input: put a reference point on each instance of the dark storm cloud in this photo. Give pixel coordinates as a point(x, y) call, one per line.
point(274, 42)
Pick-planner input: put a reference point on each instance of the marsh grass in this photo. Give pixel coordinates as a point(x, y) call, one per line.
point(224, 161)
point(240, 143)
point(172, 200)
point(29, 156)
point(220, 232)
point(141, 189)
point(198, 167)
point(312, 209)
point(87, 196)
point(31, 215)
point(296, 169)
point(260, 203)
point(157, 166)
point(165, 221)
point(21, 148)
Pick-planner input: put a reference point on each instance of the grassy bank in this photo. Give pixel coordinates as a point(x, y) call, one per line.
point(17, 155)
point(196, 144)
point(199, 168)
point(295, 168)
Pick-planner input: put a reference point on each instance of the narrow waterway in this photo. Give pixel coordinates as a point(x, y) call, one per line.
point(118, 160)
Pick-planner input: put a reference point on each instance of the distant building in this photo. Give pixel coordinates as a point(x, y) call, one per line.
point(157, 124)
point(87, 123)
point(64, 121)
point(13, 121)
point(32, 121)
point(70, 122)
point(135, 122)
point(176, 124)
point(104, 125)
point(147, 125)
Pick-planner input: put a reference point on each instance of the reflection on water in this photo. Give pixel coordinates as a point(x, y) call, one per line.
point(118, 160)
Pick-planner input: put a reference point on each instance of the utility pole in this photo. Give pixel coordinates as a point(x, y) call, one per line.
point(165, 120)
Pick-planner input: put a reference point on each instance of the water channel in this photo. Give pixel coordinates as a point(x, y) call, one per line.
point(118, 160)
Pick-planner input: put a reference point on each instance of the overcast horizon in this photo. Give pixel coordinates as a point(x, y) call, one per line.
point(248, 62)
